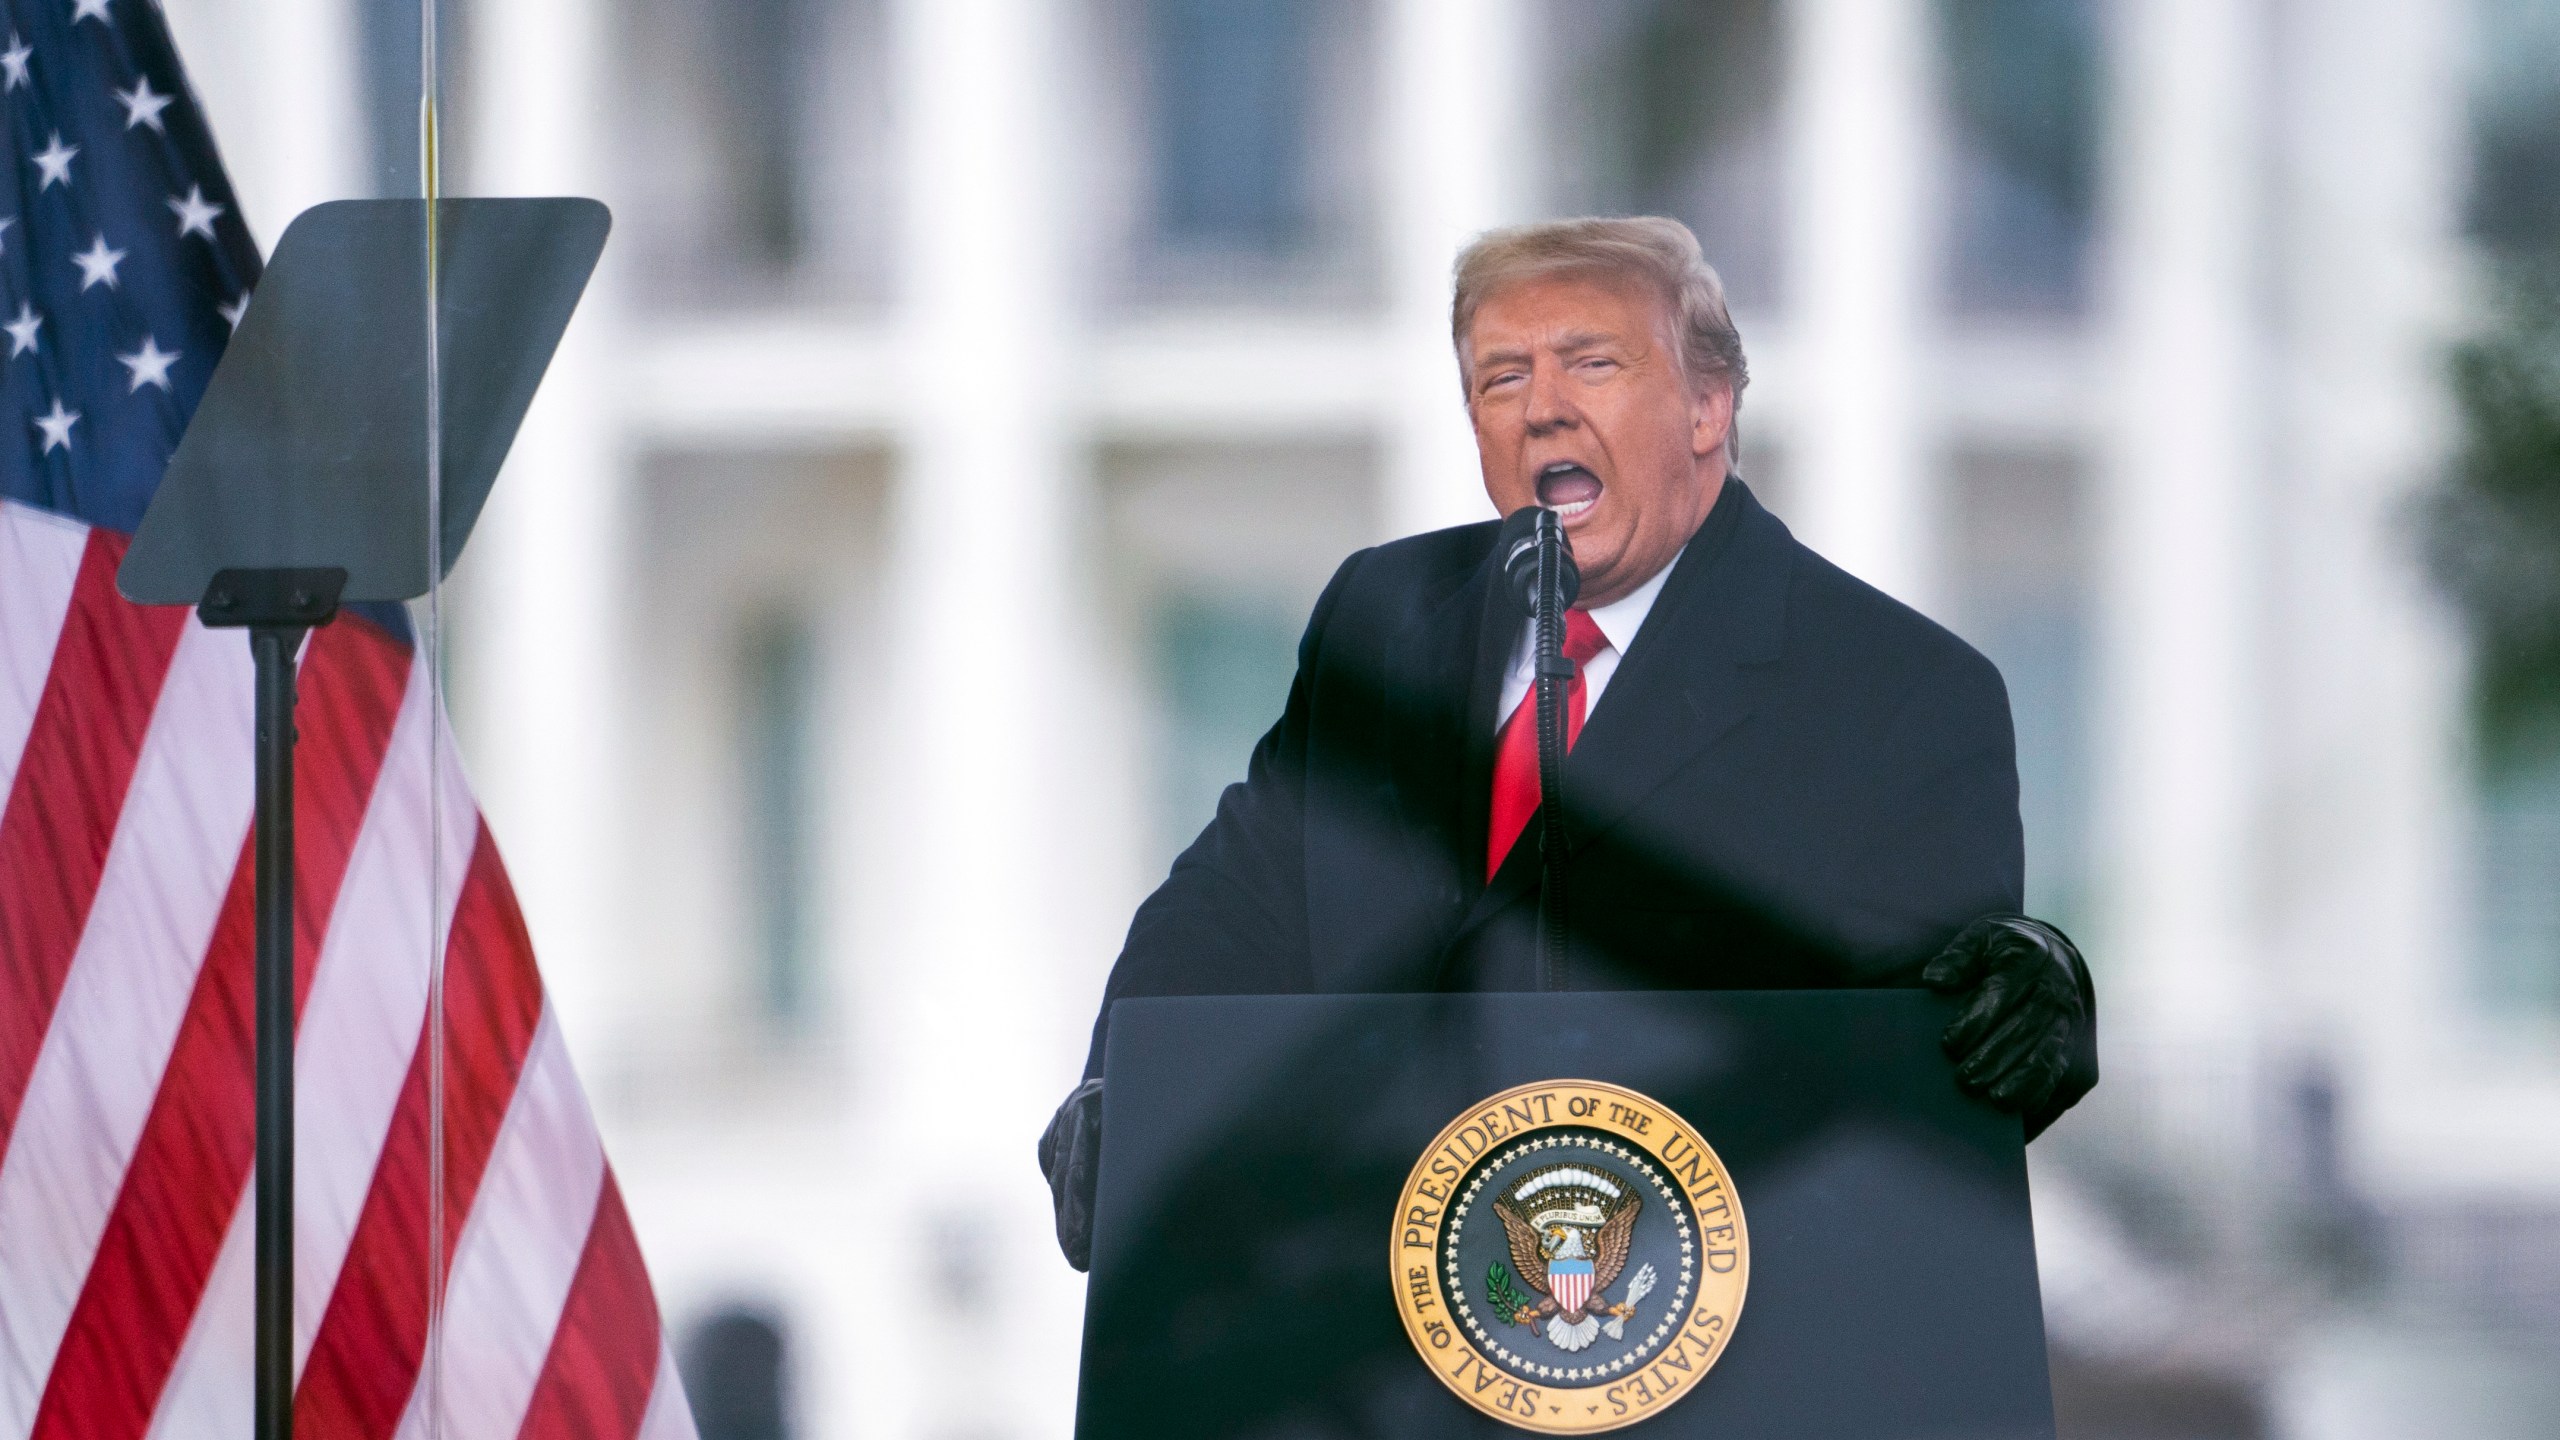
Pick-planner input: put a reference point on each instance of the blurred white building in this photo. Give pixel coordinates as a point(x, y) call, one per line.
point(914, 533)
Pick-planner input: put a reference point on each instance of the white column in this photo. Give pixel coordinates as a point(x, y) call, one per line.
point(974, 1042)
point(2372, 943)
point(2180, 484)
point(1857, 282)
point(1457, 158)
point(541, 642)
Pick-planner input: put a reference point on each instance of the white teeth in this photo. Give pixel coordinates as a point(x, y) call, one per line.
point(1576, 508)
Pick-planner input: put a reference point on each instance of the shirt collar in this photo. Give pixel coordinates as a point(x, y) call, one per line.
point(1621, 618)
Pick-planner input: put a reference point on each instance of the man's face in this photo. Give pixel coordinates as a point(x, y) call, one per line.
point(1580, 404)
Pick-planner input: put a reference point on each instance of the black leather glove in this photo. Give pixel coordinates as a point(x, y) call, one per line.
point(2023, 1006)
point(1071, 1156)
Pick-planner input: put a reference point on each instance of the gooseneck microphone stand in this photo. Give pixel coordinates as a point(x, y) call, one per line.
point(1540, 566)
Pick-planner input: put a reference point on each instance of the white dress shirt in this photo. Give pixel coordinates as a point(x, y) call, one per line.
point(1618, 620)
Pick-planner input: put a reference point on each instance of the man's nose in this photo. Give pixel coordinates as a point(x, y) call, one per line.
point(1548, 409)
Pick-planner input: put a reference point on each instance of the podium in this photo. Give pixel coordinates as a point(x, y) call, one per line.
point(1249, 1280)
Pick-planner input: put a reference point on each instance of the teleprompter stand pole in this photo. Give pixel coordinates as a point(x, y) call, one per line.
point(277, 608)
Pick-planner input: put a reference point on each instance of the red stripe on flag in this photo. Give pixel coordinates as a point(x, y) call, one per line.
point(604, 1357)
point(365, 1359)
point(61, 811)
point(194, 1157)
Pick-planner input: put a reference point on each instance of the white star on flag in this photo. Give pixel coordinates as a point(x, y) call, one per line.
point(54, 161)
point(88, 10)
point(57, 426)
point(5, 222)
point(98, 264)
point(141, 107)
point(13, 62)
point(233, 311)
point(22, 331)
point(150, 364)
point(195, 213)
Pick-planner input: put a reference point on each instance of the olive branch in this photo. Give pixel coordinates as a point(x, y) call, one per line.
point(1507, 1299)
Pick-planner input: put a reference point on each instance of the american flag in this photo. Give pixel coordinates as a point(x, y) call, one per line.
point(126, 1135)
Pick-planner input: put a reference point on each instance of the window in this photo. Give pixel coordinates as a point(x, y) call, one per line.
point(1223, 665)
point(777, 692)
point(2515, 182)
point(735, 1365)
point(758, 53)
point(755, 148)
point(1213, 557)
point(1670, 107)
point(2022, 80)
point(1243, 172)
point(2021, 534)
point(2519, 882)
point(1233, 86)
point(2497, 532)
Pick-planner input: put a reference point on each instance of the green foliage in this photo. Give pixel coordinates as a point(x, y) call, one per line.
point(2494, 531)
point(1506, 1299)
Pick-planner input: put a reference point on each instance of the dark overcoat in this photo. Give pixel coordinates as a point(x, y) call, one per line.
point(1792, 781)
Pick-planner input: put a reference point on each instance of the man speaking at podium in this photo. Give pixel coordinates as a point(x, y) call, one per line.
point(1778, 777)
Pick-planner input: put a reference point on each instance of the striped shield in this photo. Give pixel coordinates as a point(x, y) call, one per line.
point(1569, 1281)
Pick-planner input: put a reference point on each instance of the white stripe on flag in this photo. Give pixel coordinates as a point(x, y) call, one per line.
point(208, 1392)
point(39, 563)
point(169, 867)
point(361, 1022)
point(519, 1251)
point(359, 1030)
point(668, 1417)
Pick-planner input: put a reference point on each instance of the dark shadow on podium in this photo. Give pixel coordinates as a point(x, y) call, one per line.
point(1254, 1147)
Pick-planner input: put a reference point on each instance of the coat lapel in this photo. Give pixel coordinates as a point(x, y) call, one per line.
point(1696, 670)
point(1448, 672)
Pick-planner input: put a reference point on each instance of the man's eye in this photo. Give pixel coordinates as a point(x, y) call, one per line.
point(1597, 365)
point(1507, 377)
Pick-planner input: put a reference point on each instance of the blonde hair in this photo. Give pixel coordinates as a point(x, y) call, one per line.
point(1658, 252)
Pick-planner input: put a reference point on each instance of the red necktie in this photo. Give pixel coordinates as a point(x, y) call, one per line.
point(1515, 756)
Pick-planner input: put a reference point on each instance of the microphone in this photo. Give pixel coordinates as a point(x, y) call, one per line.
point(1522, 532)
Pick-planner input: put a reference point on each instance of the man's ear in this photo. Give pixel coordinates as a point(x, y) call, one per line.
point(1711, 420)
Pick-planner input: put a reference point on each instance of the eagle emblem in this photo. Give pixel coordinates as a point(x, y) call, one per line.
point(1570, 1228)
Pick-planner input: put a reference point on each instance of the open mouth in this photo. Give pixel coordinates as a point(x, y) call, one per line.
point(1568, 489)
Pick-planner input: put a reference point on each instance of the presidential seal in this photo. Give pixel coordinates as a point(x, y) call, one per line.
point(1569, 1257)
